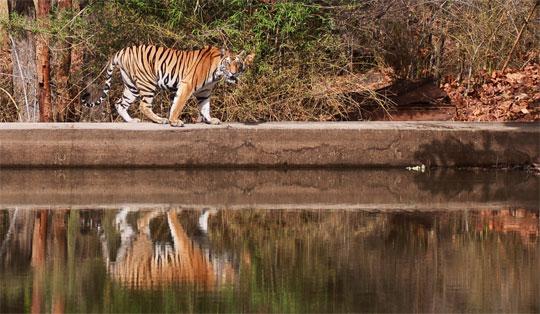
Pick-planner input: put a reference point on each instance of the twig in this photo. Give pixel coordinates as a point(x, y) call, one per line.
point(519, 35)
point(72, 19)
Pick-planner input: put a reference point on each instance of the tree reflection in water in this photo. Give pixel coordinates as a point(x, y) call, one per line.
point(131, 260)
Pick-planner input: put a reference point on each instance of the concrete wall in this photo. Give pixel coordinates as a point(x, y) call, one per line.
point(354, 144)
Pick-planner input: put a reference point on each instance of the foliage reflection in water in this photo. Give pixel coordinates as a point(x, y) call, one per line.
point(131, 260)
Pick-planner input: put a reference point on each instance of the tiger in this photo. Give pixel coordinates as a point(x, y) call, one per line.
point(142, 263)
point(145, 68)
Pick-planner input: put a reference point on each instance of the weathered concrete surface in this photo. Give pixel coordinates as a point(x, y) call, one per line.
point(389, 189)
point(292, 144)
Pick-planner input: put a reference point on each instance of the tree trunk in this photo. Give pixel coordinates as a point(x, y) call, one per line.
point(77, 57)
point(39, 251)
point(59, 249)
point(6, 87)
point(23, 55)
point(62, 67)
point(44, 64)
point(4, 13)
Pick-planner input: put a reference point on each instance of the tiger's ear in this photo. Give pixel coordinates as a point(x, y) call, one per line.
point(249, 59)
point(225, 52)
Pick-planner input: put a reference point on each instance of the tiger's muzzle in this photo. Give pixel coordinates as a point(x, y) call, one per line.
point(233, 79)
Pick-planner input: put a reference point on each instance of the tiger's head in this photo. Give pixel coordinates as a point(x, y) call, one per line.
point(233, 66)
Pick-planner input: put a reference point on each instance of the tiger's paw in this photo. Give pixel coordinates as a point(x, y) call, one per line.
point(134, 120)
point(162, 121)
point(214, 121)
point(177, 123)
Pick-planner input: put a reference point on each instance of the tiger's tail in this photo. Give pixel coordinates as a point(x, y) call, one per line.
point(105, 91)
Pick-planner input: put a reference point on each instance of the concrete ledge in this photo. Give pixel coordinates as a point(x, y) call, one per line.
point(384, 189)
point(292, 144)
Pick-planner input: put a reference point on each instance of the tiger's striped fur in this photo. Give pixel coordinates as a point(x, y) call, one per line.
point(146, 68)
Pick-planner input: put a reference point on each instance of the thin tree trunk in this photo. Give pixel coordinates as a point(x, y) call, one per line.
point(77, 57)
point(39, 250)
point(59, 249)
point(62, 67)
point(23, 55)
point(5, 63)
point(439, 54)
point(44, 65)
point(4, 13)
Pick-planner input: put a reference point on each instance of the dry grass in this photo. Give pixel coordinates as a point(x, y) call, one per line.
point(8, 107)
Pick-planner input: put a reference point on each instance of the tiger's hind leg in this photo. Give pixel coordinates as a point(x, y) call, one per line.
point(122, 104)
point(147, 97)
point(204, 111)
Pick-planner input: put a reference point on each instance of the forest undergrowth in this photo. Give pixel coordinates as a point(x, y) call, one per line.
point(312, 56)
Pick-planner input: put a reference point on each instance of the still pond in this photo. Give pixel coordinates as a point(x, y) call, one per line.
point(475, 251)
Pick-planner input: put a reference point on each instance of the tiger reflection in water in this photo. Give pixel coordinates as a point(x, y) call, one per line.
point(142, 263)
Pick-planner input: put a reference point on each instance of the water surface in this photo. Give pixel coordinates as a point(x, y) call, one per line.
point(310, 241)
point(155, 260)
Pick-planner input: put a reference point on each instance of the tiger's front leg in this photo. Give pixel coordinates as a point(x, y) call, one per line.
point(182, 95)
point(204, 111)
